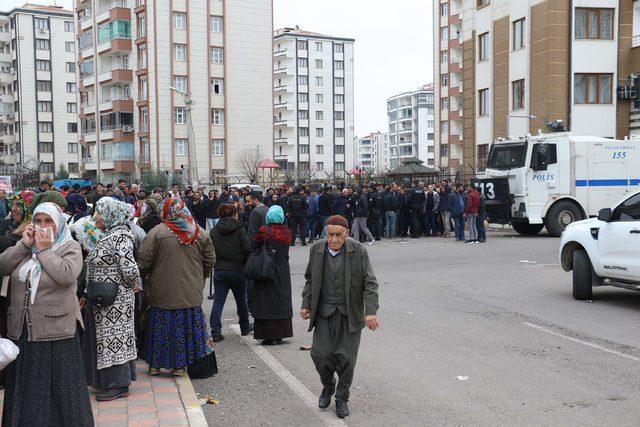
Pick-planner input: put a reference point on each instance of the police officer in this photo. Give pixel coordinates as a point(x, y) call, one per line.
point(297, 205)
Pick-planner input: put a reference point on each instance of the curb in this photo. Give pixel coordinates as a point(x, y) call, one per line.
point(192, 407)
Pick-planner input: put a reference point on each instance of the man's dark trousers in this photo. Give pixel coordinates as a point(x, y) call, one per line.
point(298, 220)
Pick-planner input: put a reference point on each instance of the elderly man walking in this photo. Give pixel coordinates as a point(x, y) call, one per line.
point(340, 297)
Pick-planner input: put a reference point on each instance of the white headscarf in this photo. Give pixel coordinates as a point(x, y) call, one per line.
point(32, 268)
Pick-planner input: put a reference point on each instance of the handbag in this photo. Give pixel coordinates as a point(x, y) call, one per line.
point(102, 294)
point(261, 264)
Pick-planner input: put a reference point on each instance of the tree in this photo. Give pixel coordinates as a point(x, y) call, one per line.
point(61, 173)
point(248, 163)
point(152, 179)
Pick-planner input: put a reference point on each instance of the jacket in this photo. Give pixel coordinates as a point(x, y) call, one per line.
point(445, 201)
point(416, 199)
point(54, 313)
point(391, 202)
point(231, 244)
point(361, 285)
point(212, 207)
point(312, 206)
point(324, 205)
point(199, 211)
point(175, 272)
point(473, 203)
point(457, 202)
point(297, 204)
point(257, 219)
point(342, 206)
point(362, 206)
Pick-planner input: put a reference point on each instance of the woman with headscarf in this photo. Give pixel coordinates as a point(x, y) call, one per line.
point(174, 259)
point(150, 212)
point(110, 343)
point(46, 384)
point(271, 299)
point(16, 217)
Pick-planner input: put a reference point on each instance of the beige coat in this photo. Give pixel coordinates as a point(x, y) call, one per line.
point(174, 273)
point(54, 313)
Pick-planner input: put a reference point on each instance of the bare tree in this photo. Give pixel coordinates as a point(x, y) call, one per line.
point(248, 163)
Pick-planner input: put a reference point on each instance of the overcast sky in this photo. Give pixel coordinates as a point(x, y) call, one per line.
point(393, 49)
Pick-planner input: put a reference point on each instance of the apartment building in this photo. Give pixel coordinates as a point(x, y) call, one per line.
point(411, 127)
point(182, 87)
point(38, 110)
point(371, 152)
point(503, 67)
point(313, 103)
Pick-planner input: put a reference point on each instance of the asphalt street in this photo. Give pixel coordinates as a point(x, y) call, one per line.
point(484, 334)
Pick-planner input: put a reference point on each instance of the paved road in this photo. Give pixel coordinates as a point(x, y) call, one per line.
point(500, 314)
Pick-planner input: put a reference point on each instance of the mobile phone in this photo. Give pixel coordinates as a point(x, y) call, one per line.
point(48, 233)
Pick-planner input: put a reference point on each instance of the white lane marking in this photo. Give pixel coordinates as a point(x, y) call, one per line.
point(328, 417)
point(579, 341)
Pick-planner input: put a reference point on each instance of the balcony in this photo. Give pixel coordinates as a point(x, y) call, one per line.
point(86, 21)
point(140, 5)
point(279, 105)
point(281, 123)
point(281, 88)
point(279, 53)
point(117, 103)
point(116, 73)
point(116, 9)
point(280, 140)
point(116, 42)
point(280, 71)
point(5, 37)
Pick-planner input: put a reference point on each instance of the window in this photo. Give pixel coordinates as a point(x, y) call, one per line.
point(592, 23)
point(69, 46)
point(303, 97)
point(216, 24)
point(182, 147)
point(302, 45)
point(319, 64)
point(339, 132)
point(303, 131)
point(319, 166)
point(318, 46)
point(444, 34)
point(319, 98)
point(444, 79)
point(339, 165)
point(72, 147)
point(218, 147)
point(44, 106)
point(42, 44)
point(338, 65)
point(517, 92)
point(217, 86)
point(180, 83)
point(483, 102)
point(319, 149)
point(217, 55)
point(592, 88)
point(444, 150)
point(444, 103)
point(338, 81)
point(303, 62)
point(179, 116)
point(179, 21)
point(43, 86)
point(444, 56)
point(179, 52)
point(319, 132)
point(338, 48)
point(339, 99)
point(72, 127)
point(629, 210)
point(45, 147)
point(71, 87)
point(338, 115)
point(483, 47)
point(304, 149)
point(303, 80)
point(444, 127)
point(518, 34)
point(47, 167)
point(43, 65)
point(68, 26)
point(319, 81)
point(73, 167)
point(482, 3)
point(339, 149)
point(45, 127)
point(303, 114)
point(41, 23)
point(319, 115)
point(72, 107)
point(217, 117)
point(444, 9)
point(71, 67)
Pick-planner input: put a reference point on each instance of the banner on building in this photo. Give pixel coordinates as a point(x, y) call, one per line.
point(5, 184)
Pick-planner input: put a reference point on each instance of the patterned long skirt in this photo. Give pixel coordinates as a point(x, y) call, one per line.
point(175, 338)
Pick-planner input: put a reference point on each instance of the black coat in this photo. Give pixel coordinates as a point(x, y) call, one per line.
point(199, 212)
point(324, 205)
point(231, 243)
point(149, 220)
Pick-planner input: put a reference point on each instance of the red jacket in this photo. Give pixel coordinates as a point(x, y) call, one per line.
point(473, 203)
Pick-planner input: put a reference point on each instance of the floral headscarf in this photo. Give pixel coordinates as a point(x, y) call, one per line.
point(22, 201)
point(87, 233)
point(113, 212)
point(176, 216)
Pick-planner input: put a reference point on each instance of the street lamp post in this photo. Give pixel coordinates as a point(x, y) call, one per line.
point(192, 171)
point(514, 116)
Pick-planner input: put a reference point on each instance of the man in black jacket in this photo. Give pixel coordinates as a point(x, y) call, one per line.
point(416, 202)
point(391, 205)
point(297, 212)
point(375, 211)
point(198, 209)
point(258, 215)
point(360, 218)
point(324, 208)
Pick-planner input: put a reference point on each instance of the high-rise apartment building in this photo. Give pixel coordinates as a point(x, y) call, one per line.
point(136, 60)
point(502, 67)
point(371, 152)
point(313, 103)
point(411, 122)
point(38, 110)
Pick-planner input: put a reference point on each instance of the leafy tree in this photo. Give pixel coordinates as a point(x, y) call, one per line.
point(61, 173)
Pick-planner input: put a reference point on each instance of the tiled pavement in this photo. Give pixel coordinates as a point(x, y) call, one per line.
point(153, 401)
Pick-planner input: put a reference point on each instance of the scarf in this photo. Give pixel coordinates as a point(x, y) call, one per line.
point(32, 269)
point(87, 233)
point(113, 212)
point(275, 215)
point(176, 216)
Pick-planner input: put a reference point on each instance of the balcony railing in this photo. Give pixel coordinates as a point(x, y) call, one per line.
point(116, 35)
point(113, 5)
point(140, 3)
point(117, 97)
point(86, 17)
point(141, 32)
point(107, 68)
point(142, 65)
point(143, 127)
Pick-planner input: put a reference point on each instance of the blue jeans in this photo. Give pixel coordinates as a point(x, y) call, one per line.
point(431, 225)
point(211, 222)
point(311, 227)
point(391, 223)
point(323, 221)
point(223, 282)
point(482, 233)
point(459, 223)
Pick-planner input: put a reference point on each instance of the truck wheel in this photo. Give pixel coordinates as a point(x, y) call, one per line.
point(560, 215)
point(527, 229)
point(581, 275)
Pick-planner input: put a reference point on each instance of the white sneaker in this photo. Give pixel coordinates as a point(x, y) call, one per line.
point(371, 242)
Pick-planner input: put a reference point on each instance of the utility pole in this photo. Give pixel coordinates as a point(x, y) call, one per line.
point(192, 170)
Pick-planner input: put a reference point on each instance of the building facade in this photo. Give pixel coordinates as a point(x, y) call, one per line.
point(503, 67)
point(411, 127)
point(313, 103)
point(371, 152)
point(181, 87)
point(38, 109)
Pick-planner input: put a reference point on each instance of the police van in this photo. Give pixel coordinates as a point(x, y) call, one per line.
point(551, 180)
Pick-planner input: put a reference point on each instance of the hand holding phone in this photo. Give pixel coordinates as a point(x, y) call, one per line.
point(44, 237)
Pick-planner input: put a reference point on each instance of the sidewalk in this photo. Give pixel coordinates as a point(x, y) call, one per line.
point(153, 401)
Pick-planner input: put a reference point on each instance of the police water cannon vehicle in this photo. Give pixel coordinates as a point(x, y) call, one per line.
point(551, 180)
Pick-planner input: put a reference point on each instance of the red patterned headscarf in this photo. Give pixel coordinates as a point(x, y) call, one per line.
point(176, 216)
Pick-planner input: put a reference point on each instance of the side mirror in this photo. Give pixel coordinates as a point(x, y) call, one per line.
point(604, 215)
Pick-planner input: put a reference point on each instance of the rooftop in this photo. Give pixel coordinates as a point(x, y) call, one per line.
point(296, 31)
point(39, 8)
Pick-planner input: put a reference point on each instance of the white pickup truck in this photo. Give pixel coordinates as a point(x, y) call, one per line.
point(604, 251)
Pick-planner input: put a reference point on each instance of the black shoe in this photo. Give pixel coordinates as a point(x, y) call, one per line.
point(217, 337)
point(342, 410)
point(248, 331)
point(112, 394)
point(269, 342)
point(325, 397)
point(279, 341)
point(304, 244)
